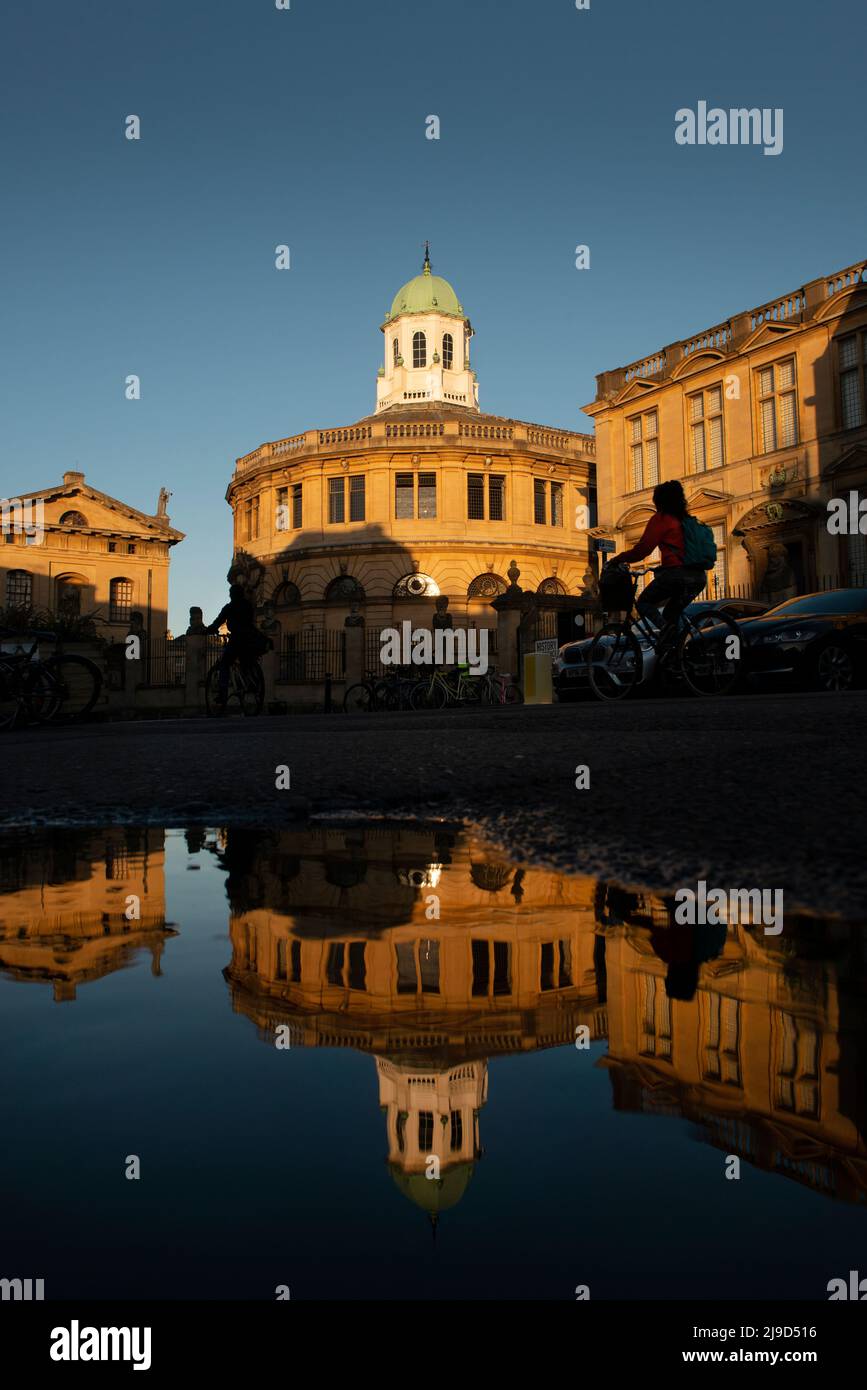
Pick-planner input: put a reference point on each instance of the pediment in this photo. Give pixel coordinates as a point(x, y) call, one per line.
point(104, 512)
point(638, 509)
point(636, 389)
point(852, 461)
point(708, 496)
point(697, 362)
point(851, 297)
point(769, 333)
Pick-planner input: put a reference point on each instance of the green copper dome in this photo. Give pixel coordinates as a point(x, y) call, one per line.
point(426, 293)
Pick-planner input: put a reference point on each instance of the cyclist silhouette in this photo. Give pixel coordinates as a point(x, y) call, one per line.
point(244, 644)
point(674, 584)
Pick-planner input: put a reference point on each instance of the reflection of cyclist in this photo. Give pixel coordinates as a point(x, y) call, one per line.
point(674, 584)
point(244, 644)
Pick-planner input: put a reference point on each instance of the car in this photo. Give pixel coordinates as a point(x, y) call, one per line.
point(570, 674)
point(817, 641)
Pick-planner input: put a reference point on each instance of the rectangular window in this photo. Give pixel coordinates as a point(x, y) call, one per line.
point(429, 966)
point(280, 973)
point(556, 504)
point(778, 406)
point(853, 380)
point(476, 496)
point(706, 429)
point(356, 497)
point(403, 497)
point(457, 1131)
point(334, 967)
point(496, 497)
point(425, 1131)
point(427, 495)
point(481, 967)
point(406, 973)
point(357, 967)
point(336, 502)
point(644, 450)
point(281, 518)
point(297, 512)
point(539, 501)
point(112, 547)
point(130, 550)
point(546, 968)
point(296, 962)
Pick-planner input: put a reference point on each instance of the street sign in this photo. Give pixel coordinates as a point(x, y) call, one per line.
point(605, 545)
point(547, 646)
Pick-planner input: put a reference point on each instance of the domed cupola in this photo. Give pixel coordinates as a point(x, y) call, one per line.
point(427, 346)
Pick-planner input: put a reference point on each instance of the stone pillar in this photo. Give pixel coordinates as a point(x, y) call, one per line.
point(355, 632)
point(195, 660)
point(508, 610)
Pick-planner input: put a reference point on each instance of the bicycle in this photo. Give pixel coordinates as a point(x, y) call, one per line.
point(246, 688)
point(501, 689)
point(62, 686)
point(446, 688)
point(705, 653)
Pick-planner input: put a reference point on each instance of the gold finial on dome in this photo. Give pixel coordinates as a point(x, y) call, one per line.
point(426, 267)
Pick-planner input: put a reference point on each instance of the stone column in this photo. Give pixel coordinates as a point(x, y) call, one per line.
point(508, 610)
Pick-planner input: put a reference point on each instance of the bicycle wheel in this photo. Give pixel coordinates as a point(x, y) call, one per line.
point(11, 694)
point(43, 694)
point(708, 655)
point(614, 662)
point(513, 694)
point(79, 683)
point(359, 697)
point(249, 688)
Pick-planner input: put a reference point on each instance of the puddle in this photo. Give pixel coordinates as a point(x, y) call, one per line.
point(429, 994)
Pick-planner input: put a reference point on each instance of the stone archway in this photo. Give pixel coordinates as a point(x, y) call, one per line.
point(780, 540)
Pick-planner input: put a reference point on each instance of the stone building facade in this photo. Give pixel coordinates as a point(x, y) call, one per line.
point(427, 497)
point(764, 418)
point(74, 550)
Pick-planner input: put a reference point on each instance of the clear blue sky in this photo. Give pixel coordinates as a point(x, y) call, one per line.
point(307, 127)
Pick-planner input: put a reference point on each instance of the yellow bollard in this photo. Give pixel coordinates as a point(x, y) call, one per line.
point(538, 689)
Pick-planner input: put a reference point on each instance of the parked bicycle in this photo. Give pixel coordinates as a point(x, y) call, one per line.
point(61, 687)
point(705, 652)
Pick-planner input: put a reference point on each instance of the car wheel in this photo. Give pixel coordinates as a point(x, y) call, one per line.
point(833, 667)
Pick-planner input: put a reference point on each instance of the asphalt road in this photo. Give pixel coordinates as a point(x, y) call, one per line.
point(750, 791)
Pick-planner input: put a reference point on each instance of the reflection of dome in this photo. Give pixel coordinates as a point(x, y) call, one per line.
point(434, 1195)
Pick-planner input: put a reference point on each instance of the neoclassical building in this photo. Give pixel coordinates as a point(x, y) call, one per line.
point(428, 496)
point(764, 419)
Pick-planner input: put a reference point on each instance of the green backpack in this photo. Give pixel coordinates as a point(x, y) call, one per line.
point(699, 546)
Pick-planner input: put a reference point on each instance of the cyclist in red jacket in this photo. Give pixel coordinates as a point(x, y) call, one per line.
point(674, 584)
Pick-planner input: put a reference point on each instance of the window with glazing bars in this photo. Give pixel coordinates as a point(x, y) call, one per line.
point(778, 405)
point(403, 497)
point(356, 497)
point(427, 495)
point(297, 512)
point(706, 429)
point(496, 497)
point(539, 508)
point(476, 496)
point(644, 450)
point(853, 380)
point(556, 504)
point(336, 503)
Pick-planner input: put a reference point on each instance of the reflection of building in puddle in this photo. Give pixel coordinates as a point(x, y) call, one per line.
point(65, 897)
point(349, 952)
point(759, 1040)
point(765, 1052)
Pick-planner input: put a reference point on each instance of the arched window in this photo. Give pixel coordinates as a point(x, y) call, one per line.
point(69, 590)
point(416, 586)
point(19, 589)
point(419, 350)
point(552, 585)
point(487, 586)
point(448, 351)
point(73, 519)
point(395, 350)
point(286, 595)
point(344, 589)
point(120, 600)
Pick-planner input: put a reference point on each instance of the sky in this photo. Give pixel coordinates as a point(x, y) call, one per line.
point(307, 127)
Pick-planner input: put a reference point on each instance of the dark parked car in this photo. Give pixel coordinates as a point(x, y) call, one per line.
point(570, 675)
point(819, 640)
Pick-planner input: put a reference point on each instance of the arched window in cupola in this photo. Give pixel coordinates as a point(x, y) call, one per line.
point(395, 350)
point(419, 350)
point(448, 351)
